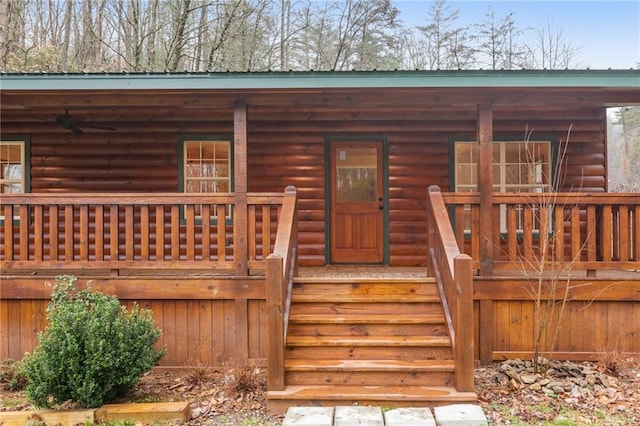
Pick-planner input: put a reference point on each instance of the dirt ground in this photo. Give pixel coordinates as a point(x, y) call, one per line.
point(237, 397)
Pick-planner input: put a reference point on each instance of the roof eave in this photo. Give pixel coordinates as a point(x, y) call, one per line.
point(323, 80)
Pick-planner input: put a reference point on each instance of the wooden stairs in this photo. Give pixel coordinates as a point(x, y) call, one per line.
point(367, 341)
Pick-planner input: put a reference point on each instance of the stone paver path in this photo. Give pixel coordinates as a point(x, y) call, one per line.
point(448, 415)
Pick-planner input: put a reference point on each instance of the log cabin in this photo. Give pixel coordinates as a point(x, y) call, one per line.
point(366, 236)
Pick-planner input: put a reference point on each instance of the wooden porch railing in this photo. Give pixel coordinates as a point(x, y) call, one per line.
point(583, 231)
point(453, 273)
point(133, 231)
point(281, 267)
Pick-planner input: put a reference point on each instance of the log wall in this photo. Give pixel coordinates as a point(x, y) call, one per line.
point(288, 149)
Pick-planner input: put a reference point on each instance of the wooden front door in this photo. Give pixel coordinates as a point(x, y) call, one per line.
point(356, 202)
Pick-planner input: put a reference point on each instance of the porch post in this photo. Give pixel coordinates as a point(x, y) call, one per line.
point(485, 185)
point(240, 222)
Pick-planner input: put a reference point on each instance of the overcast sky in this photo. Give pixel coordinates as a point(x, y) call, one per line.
point(607, 32)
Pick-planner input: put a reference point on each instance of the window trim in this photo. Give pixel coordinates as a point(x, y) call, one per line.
point(25, 141)
point(181, 166)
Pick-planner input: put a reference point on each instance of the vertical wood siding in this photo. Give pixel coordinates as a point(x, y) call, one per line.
point(587, 328)
point(194, 332)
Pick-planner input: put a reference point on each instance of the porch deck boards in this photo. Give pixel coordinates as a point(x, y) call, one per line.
point(361, 271)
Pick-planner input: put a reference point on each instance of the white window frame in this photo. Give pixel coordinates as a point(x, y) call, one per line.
point(543, 180)
point(22, 181)
point(23, 166)
point(228, 163)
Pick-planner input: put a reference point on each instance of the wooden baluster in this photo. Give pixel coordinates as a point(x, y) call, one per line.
point(251, 231)
point(607, 232)
point(99, 232)
point(8, 231)
point(221, 232)
point(159, 232)
point(175, 232)
point(512, 232)
point(129, 233)
point(206, 232)
point(84, 232)
point(144, 232)
point(591, 238)
point(266, 231)
point(114, 234)
point(38, 232)
point(190, 231)
point(558, 234)
point(54, 232)
point(68, 234)
point(576, 240)
point(624, 234)
point(23, 243)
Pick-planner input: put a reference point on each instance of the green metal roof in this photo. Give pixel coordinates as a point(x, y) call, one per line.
point(321, 80)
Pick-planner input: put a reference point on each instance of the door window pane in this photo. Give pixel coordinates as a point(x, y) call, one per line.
point(356, 174)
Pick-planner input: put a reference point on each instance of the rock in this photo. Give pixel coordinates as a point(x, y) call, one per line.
point(558, 389)
point(528, 379)
point(511, 372)
point(575, 392)
point(535, 387)
point(544, 382)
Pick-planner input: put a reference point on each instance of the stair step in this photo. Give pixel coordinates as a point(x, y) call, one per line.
point(366, 319)
point(387, 396)
point(328, 365)
point(365, 288)
point(368, 352)
point(387, 341)
point(378, 393)
point(326, 307)
point(369, 373)
point(365, 298)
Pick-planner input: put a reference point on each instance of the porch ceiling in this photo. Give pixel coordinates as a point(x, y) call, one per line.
point(31, 102)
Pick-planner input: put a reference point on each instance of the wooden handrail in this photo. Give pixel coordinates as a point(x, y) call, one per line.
point(131, 230)
point(453, 273)
point(588, 231)
point(281, 267)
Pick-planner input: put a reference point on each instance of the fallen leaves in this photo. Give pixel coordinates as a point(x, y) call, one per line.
point(579, 393)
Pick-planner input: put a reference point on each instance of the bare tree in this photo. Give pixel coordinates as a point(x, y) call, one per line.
point(180, 14)
point(12, 29)
point(447, 45)
point(550, 49)
point(212, 35)
point(498, 41)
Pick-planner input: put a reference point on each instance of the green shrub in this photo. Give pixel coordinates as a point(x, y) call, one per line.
point(93, 351)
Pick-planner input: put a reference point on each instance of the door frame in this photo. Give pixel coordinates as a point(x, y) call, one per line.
point(385, 189)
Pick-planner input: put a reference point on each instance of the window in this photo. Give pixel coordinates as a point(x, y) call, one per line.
point(517, 167)
point(12, 167)
point(207, 167)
